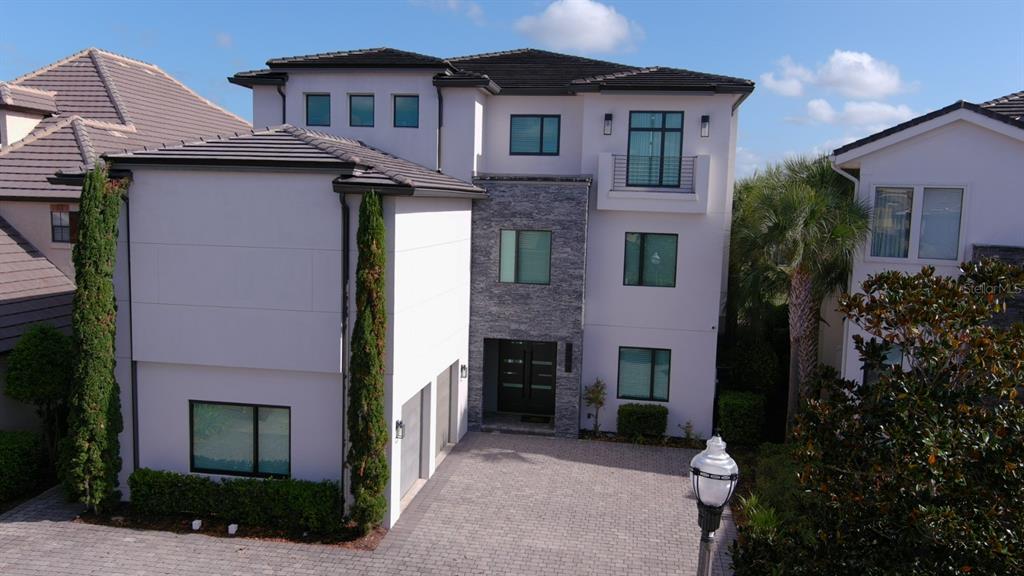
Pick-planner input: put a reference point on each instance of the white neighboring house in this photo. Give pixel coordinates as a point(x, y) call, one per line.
point(944, 188)
point(596, 198)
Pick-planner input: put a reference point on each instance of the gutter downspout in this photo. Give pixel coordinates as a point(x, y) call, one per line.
point(845, 174)
point(284, 100)
point(846, 325)
point(131, 338)
point(440, 125)
point(345, 219)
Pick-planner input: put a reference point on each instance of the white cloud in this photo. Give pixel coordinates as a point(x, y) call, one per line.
point(855, 75)
point(224, 40)
point(467, 8)
point(870, 115)
point(859, 75)
point(581, 25)
point(747, 162)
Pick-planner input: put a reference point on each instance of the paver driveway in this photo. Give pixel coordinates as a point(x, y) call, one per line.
point(499, 504)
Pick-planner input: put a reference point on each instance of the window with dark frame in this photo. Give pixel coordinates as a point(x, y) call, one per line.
point(407, 111)
point(239, 439)
point(63, 224)
point(525, 257)
point(360, 110)
point(318, 109)
point(650, 259)
point(655, 149)
point(644, 373)
point(534, 134)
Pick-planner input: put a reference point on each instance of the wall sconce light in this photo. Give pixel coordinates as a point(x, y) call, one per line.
point(607, 124)
point(705, 126)
point(463, 371)
point(399, 429)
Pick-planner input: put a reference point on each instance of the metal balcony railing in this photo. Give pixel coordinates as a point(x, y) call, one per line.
point(669, 173)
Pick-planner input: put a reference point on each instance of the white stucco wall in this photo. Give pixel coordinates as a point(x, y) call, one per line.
point(978, 157)
point(16, 125)
point(497, 122)
point(462, 132)
point(32, 220)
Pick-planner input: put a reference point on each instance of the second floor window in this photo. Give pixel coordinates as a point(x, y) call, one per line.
point(932, 214)
point(63, 224)
point(318, 109)
point(360, 110)
point(650, 259)
point(525, 256)
point(407, 111)
point(655, 149)
point(534, 135)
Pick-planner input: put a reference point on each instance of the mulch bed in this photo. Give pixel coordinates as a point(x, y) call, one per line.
point(669, 441)
point(122, 517)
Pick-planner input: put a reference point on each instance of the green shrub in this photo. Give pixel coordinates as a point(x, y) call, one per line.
point(752, 365)
point(20, 464)
point(778, 485)
point(293, 506)
point(642, 420)
point(741, 417)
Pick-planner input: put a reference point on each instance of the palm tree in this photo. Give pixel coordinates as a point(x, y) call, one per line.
point(796, 229)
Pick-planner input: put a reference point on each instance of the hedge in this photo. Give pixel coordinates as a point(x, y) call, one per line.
point(642, 420)
point(21, 462)
point(741, 417)
point(293, 506)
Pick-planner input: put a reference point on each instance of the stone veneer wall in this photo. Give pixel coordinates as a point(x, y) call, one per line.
point(1011, 255)
point(552, 312)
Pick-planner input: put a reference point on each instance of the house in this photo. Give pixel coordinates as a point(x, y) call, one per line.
point(551, 220)
point(944, 188)
point(54, 123)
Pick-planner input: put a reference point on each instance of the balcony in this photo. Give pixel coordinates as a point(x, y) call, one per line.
point(653, 184)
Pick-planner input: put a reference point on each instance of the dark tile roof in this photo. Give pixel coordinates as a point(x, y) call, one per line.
point(17, 97)
point(959, 105)
point(1011, 105)
point(523, 71)
point(104, 102)
point(288, 146)
point(32, 290)
point(364, 58)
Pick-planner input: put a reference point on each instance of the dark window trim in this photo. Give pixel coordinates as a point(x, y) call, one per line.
point(650, 396)
point(255, 441)
point(517, 231)
point(558, 137)
point(72, 226)
point(394, 109)
point(643, 239)
point(373, 116)
point(661, 171)
point(307, 95)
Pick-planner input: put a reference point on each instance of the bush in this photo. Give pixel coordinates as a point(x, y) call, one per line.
point(778, 483)
point(642, 420)
point(741, 417)
point(753, 365)
point(293, 506)
point(20, 464)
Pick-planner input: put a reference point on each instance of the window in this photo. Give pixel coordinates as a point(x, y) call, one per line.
point(63, 224)
point(650, 259)
point(536, 135)
point(407, 111)
point(935, 226)
point(240, 439)
point(940, 224)
point(360, 110)
point(644, 373)
point(525, 256)
point(891, 354)
point(890, 236)
point(655, 149)
point(318, 109)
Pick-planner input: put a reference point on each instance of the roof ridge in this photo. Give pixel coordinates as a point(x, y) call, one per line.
point(33, 136)
point(109, 85)
point(620, 74)
point(84, 143)
point(521, 50)
point(202, 98)
point(1006, 98)
point(488, 54)
point(314, 138)
point(40, 91)
point(330, 53)
point(50, 66)
point(94, 123)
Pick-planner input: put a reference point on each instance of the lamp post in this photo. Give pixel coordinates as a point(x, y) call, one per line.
point(714, 474)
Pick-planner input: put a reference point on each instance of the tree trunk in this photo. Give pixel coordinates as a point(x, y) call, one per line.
point(803, 340)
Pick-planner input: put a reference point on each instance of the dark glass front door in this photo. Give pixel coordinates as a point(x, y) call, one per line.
point(526, 377)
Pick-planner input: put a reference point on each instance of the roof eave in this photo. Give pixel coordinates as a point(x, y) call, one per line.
point(344, 186)
point(221, 161)
point(28, 109)
point(250, 81)
point(485, 83)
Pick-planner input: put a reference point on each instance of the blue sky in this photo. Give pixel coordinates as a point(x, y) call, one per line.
point(827, 72)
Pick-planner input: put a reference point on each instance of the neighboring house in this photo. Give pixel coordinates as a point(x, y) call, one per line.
point(596, 198)
point(944, 188)
point(54, 124)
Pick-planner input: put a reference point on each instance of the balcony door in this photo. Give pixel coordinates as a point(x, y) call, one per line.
point(655, 149)
point(526, 377)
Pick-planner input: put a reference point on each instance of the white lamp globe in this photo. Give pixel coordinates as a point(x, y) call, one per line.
point(714, 474)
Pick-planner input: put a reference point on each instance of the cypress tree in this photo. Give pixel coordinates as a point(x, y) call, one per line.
point(368, 429)
point(92, 457)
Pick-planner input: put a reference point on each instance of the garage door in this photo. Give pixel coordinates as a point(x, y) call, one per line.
point(412, 418)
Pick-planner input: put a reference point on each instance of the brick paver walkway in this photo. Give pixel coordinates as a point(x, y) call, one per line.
point(499, 504)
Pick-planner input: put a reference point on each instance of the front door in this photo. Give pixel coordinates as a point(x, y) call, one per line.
point(526, 377)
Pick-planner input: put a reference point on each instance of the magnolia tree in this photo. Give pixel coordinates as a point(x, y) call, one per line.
point(922, 471)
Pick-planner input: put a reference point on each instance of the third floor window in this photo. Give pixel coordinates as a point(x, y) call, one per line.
point(360, 110)
point(318, 109)
point(407, 111)
point(655, 149)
